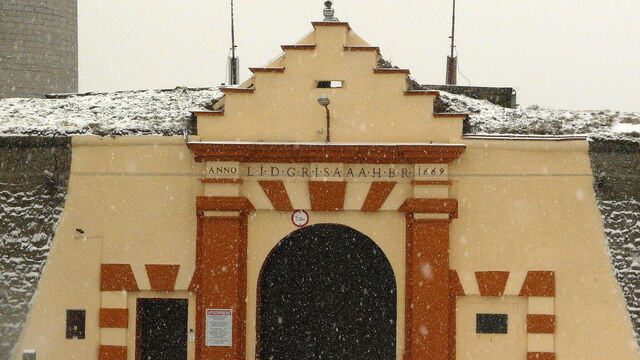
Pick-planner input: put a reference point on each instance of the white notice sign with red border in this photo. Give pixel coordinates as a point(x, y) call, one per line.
point(219, 327)
point(300, 218)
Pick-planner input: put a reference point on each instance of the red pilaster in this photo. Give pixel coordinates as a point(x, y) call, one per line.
point(455, 290)
point(221, 275)
point(427, 289)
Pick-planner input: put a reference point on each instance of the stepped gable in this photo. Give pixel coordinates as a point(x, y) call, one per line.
point(292, 82)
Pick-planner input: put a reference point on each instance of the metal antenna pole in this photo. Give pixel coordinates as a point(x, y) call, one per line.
point(233, 61)
point(233, 35)
point(452, 60)
point(453, 27)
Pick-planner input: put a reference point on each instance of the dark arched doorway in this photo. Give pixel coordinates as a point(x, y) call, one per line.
point(327, 292)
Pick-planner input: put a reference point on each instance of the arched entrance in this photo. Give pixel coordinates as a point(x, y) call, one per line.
point(327, 292)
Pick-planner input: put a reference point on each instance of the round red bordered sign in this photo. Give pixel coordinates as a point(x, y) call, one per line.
point(300, 218)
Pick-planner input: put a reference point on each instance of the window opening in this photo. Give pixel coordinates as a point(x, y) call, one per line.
point(491, 323)
point(330, 84)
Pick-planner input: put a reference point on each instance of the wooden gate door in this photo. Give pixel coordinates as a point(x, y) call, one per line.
point(327, 292)
point(161, 329)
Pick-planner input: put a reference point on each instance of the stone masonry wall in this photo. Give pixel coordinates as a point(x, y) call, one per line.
point(501, 96)
point(33, 182)
point(38, 47)
point(615, 166)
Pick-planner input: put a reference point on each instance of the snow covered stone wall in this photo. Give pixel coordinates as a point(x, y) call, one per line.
point(622, 226)
point(143, 112)
point(503, 96)
point(33, 184)
point(487, 118)
point(616, 167)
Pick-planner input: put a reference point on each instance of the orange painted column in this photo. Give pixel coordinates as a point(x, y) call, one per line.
point(220, 279)
point(427, 289)
point(455, 290)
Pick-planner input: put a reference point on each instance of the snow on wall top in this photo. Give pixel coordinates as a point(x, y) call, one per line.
point(167, 112)
point(488, 118)
point(136, 112)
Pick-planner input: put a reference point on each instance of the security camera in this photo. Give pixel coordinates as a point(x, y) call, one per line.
point(78, 234)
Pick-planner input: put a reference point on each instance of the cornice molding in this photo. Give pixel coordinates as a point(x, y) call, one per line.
point(335, 153)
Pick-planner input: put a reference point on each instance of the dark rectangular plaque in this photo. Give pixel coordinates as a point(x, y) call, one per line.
point(491, 323)
point(75, 324)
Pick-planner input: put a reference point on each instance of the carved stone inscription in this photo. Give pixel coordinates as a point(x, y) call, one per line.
point(327, 171)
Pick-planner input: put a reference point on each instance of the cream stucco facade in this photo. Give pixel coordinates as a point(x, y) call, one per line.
point(524, 205)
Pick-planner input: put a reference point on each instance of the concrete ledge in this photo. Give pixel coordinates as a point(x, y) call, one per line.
point(90, 140)
point(528, 144)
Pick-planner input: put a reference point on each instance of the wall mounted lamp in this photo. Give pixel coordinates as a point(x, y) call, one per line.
point(324, 101)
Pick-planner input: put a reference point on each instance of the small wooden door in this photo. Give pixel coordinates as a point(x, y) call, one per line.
point(161, 330)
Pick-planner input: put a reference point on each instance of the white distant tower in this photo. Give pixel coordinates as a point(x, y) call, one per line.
point(38, 47)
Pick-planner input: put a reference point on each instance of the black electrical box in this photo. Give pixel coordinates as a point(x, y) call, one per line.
point(75, 324)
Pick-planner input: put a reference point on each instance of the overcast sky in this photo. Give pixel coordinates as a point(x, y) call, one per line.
point(573, 54)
